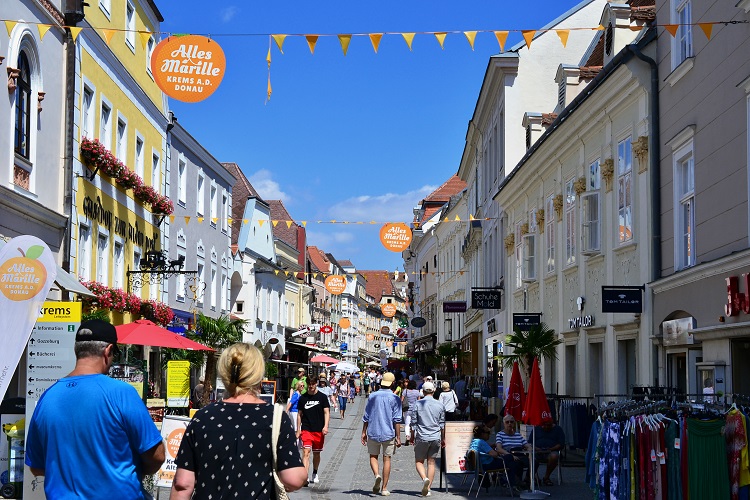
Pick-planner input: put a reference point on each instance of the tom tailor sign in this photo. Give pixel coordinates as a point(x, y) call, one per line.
point(622, 299)
point(486, 299)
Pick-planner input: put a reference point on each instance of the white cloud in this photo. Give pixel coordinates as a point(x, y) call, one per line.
point(389, 207)
point(228, 13)
point(267, 188)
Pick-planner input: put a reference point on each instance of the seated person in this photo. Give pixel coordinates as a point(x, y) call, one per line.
point(550, 439)
point(489, 458)
point(510, 442)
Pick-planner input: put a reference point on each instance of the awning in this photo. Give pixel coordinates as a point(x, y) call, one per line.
point(66, 281)
point(310, 347)
point(281, 361)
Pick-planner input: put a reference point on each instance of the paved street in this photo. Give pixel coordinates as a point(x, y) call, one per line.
point(345, 470)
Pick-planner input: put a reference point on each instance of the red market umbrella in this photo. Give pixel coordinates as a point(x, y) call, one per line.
point(516, 395)
point(535, 411)
point(322, 358)
point(145, 332)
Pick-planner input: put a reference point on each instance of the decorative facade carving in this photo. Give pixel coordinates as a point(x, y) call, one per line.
point(550, 295)
point(510, 242)
point(13, 75)
point(40, 98)
point(21, 177)
point(640, 150)
point(557, 202)
point(607, 171)
point(625, 264)
point(594, 282)
point(571, 287)
point(580, 186)
point(525, 228)
point(540, 220)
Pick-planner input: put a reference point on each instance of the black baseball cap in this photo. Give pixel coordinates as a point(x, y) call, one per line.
point(97, 330)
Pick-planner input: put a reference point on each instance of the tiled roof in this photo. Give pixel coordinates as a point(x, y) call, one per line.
point(346, 263)
point(319, 259)
point(597, 55)
point(283, 230)
point(548, 118)
point(589, 72)
point(241, 191)
point(442, 195)
point(378, 283)
point(643, 13)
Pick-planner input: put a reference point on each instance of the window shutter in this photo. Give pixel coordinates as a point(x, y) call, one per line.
point(528, 269)
point(590, 222)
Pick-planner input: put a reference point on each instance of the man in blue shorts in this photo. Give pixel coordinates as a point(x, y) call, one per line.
point(91, 436)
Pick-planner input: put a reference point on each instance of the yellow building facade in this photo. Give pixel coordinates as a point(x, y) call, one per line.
point(119, 105)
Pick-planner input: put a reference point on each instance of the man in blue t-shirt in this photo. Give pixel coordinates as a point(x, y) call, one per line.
point(548, 440)
point(92, 436)
point(381, 430)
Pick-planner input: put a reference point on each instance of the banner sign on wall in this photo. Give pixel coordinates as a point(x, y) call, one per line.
point(27, 270)
point(622, 299)
point(188, 68)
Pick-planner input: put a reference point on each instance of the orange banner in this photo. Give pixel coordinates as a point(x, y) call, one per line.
point(388, 310)
point(345, 323)
point(395, 236)
point(336, 284)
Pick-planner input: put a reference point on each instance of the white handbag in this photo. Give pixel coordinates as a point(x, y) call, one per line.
point(278, 410)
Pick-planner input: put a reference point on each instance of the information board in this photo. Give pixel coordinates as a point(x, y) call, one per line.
point(172, 430)
point(458, 437)
point(268, 390)
point(178, 384)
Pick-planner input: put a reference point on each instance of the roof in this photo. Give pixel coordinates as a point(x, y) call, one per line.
point(319, 260)
point(442, 195)
point(241, 191)
point(346, 263)
point(286, 228)
point(378, 283)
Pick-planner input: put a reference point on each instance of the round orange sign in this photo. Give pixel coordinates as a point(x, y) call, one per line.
point(23, 277)
point(370, 336)
point(345, 323)
point(173, 442)
point(395, 236)
point(336, 284)
point(188, 68)
point(388, 310)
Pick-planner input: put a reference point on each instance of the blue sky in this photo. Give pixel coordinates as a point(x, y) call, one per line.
point(359, 138)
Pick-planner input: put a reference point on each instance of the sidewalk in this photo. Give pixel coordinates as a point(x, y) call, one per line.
point(345, 470)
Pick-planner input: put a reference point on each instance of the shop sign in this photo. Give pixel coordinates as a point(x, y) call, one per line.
point(525, 321)
point(395, 236)
point(326, 329)
point(388, 310)
point(678, 331)
point(486, 299)
point(455, 306)
point(188, 68)
point(622, 299)
point(345, 323)
point(581, 322)
point(95, 211)
point(335, 284)
point(418, 322)
point(385, 330)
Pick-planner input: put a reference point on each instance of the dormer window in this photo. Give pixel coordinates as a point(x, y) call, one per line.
point(609, 38)
point(532, 123)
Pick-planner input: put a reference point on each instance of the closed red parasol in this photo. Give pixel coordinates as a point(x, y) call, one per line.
point(145, 332)
point(516, 395)
point(535, 412)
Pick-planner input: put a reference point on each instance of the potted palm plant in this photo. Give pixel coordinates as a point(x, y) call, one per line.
point(539, 341)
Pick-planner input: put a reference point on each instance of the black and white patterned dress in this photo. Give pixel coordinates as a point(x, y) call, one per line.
point(228, 446)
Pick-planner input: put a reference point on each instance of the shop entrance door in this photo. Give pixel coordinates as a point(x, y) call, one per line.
point(677, 371)
point(740, 366)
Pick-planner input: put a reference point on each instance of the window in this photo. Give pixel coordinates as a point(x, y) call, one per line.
point(102, 259)
point(624, 190)
point(239, 307)
point(118, 272)
point(106, 6)
point(105, 133)
point(201, 284)
point(155, 172)
point(519, 255)
point(213, 207)
point(181, 181)
point(570, 223)
point(528, 271)
point(130, 26)
point(23, 107)
point(223, 292)
point(549, 231)
point(682, 43)
point(139, 157)
point(180, 292)
point(149, 54)
point(122, 139)
point(224, 212)
point(200, 207)
point(87, 114)
point(594, 176)
point(213, 289)
point(684, 175)
point(84, 252)
point(136, 258)
point(591, 239)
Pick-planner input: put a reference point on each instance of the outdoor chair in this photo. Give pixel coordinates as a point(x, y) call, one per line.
point(558, 471)
point(481, 475)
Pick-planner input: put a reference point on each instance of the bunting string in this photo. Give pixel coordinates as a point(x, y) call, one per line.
point(274, 222)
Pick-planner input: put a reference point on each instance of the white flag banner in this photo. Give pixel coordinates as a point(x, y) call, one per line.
point(27, 270)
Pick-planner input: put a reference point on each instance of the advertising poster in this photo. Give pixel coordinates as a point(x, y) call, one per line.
point(178, 384)
point(172, 430)
point(268, 391)
point(458, 437)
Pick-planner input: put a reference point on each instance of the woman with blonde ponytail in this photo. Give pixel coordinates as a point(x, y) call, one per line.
point(222, 447)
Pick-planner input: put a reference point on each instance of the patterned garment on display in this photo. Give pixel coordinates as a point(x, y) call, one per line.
point(734, 433)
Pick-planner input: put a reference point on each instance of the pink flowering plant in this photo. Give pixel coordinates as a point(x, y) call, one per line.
point(129, 179)
point(158, 312)
point(116, 299)
point(163, 206)
point(95, 155)
point(146, 194)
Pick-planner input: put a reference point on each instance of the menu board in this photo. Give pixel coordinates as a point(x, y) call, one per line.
point(172, 429)
point(458, 437)
point(268, 390)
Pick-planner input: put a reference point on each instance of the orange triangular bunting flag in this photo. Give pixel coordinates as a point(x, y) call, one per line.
point(441, 38)
point(43, 29)
point(502, 37)
point(409, 38)
point(344, 41)
point(9, 25)
point(214, 219)
point(200, 220)
point(311, 41)
point(287, 273)
point(706, 27)
point(269, 90)
point(279, 39)
point(75, 32)
point(672, 28)
point(229, 221)
point(108, 34)
point(145, 36)
point(289, 224)
point(276, 272)
point(245, 221)
point(171, 219)
point(275, 223)
point(304, 223)
point(268, 57)
point(260, 222)
point(563, 34)
point(470, 36)
point(458, 218)
point(375, 40)
point(599, 28)
point(187, 220)
point(528, 35)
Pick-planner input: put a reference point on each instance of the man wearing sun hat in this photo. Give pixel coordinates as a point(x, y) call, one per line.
point(381, 430)
point(91, 436)
point(301, 377)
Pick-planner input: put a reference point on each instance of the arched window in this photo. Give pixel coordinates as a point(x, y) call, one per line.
point(23, 107)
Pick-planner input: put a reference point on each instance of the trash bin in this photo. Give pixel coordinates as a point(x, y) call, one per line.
point(13, 486)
